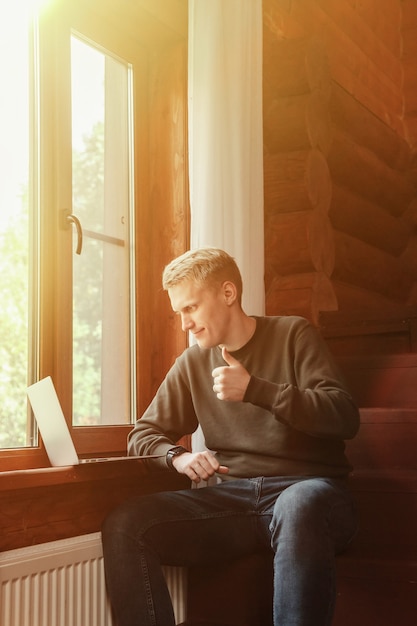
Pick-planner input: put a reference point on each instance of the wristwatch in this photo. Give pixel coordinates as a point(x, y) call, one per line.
point(172, 453)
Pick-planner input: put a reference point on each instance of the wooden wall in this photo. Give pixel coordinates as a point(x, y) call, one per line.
point(409, 58)
point(340, 137)
point(163, 221)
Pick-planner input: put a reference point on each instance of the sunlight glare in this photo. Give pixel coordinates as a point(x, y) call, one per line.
point(14, 148)
point(21, 9)
point(16, 16)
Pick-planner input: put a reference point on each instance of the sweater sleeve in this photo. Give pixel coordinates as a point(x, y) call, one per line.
point(314, 401)
point(170, 416)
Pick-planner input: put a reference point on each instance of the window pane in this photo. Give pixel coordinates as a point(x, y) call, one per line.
point(102, 315)
point(16, 212)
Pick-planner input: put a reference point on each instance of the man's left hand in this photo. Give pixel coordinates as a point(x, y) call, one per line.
point(231, 381)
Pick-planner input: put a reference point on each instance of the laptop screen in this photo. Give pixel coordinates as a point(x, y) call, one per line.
point(51, 423)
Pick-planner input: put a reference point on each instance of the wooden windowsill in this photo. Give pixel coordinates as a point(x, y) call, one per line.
point(47, 476)
point(46, 504)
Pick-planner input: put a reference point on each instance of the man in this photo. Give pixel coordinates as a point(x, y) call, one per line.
point(275, 416)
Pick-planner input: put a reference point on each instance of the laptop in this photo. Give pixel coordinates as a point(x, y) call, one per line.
point(54, 429)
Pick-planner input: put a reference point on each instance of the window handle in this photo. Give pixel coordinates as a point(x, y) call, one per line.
point(73, 219)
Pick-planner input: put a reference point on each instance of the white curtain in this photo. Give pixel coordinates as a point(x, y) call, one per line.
point(225, 136)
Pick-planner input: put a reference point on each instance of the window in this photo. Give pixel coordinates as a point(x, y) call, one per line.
point(99, 176)
point(96, 123)
point(103, 271)
point(18, 225)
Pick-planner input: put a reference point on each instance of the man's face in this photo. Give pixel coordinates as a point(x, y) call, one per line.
point(204, 312)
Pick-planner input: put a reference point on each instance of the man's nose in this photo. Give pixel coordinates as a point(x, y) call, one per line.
point(186, 322)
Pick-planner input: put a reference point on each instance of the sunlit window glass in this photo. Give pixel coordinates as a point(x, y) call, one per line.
point(17, 222)
point(103, 319)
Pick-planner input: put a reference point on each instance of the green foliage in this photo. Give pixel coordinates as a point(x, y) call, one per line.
point(88, 205)
point(88, 175)
point(14, 331)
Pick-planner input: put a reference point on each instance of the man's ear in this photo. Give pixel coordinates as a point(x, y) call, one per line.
point(229, 292)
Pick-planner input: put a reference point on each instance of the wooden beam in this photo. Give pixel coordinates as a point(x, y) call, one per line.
point(361, 171)
point(409, 14)
point(409, 257)
point(346, 18)
point(296, 123)
point(296, 181)
point(301, 294)
point(384, 18)
point(353, 118)
point(278, 21)
point(300, 242)
point(292, 67)
point(410, 86)
point(359, 264)
point(356, 216)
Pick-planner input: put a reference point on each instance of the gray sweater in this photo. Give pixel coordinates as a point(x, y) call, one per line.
point(294, 417)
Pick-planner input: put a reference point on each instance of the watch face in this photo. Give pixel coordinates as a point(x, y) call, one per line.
point(176, 451)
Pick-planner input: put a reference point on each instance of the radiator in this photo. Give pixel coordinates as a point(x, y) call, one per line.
point(61, 583)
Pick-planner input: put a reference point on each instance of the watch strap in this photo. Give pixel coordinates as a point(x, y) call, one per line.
point(172, 453)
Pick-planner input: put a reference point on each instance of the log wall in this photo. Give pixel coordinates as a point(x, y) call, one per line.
point(339, 155)
point(409, 62)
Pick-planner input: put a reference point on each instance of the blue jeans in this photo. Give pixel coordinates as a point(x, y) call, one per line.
point(305, 521)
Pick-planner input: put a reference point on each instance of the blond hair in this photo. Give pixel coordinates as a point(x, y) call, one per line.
point(205, 266)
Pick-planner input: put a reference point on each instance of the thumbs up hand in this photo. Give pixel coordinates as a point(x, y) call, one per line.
point(231, 381)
